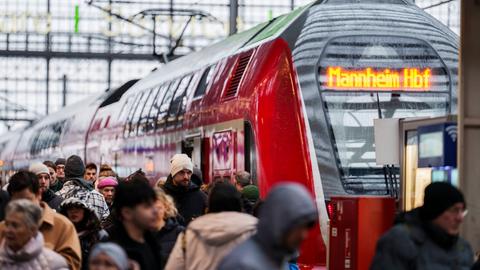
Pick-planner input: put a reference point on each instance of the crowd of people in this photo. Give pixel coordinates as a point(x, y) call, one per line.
point(64, 214)
point(67, 215)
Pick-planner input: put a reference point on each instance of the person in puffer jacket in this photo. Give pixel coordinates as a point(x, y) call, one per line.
point(23, 244)
point(209, 238)
point(87, 225)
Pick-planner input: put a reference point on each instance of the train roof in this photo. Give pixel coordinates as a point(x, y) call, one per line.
point(222, 49)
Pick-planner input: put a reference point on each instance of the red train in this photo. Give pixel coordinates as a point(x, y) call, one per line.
point(292, 99)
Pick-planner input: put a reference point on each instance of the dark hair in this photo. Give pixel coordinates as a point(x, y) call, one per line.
point(50, 164)
point(91, 166)
point(133, 192)
point(224, 197)
point(23, 180)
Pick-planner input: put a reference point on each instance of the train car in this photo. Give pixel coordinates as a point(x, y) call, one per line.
point(292, 99)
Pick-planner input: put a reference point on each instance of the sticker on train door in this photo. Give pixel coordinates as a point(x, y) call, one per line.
point(223, 148)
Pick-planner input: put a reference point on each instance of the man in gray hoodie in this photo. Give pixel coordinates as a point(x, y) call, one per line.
point(284, 222)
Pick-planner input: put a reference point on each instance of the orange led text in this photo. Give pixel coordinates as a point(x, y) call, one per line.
point(386, 79)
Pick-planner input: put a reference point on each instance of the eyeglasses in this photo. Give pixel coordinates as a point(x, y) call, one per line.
point(458, 211)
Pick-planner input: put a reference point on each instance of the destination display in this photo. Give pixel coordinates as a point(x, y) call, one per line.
point(379, 79)
point(374, 63)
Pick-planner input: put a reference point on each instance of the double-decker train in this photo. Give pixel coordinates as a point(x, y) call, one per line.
point(293, 99)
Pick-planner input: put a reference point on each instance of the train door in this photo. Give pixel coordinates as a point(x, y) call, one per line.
point(193, 148)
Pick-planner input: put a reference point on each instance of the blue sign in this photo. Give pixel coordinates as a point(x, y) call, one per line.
point(437, 145)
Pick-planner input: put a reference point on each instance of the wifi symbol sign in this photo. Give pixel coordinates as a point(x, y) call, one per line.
point(452, 132)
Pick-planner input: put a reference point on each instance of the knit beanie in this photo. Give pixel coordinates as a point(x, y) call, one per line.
point(224, 197)
point(439, 196)
point(60, 161)
point(38, 168)
point(114, 252)
point(251, 192)
point(74, 167)
point(180, 162)
point(107, 182)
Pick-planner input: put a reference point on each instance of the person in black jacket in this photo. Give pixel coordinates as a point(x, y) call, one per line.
point(4, 199)
point(190, 201)
point(135, 219)
point(48, 195)
point(168, 226)
point(87, 225)
point(427, 237)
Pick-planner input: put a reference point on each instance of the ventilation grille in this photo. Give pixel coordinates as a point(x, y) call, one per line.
point(237, 77)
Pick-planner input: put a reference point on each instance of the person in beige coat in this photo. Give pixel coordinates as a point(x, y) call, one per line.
point(23, 246)
point(209, 238)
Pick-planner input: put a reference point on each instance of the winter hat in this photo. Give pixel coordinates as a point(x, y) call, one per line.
point(251, 192)
point(180, 162)
point(224, 197)
point(439, 196)
point(38, 168)
point(113, 251)
point(243, 178)
point(60, 161)
point(74, 167)
point(107, 182)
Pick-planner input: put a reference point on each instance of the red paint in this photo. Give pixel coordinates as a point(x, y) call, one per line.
point(355, 228)
point(268, 98)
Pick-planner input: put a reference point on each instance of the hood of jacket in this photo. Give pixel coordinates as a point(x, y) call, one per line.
point(286, 206)
point(217, 229)
point(79, 181)
point(72, 201)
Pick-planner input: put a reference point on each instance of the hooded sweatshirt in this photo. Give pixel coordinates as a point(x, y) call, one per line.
point(208, 239)
point(286, 206)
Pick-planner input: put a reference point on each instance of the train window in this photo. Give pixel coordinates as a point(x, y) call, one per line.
point(138, 112)
point(250, 152)
point(144, 119)
point(178, 99)
point(152, 118)
point(167, 99)
point(204, 81)
point(122, 116)
point(128, 127)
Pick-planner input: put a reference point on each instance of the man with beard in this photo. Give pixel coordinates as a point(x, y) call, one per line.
point(190, 201)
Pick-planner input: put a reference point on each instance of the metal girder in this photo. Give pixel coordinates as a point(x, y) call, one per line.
point(83, 55)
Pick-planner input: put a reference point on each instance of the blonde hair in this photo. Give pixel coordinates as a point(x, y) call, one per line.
point(167, 200)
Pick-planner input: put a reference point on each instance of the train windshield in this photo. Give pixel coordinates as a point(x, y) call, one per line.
point(351, 117)
point(363, 78)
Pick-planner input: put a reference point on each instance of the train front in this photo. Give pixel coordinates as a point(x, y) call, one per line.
point(359, 62)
